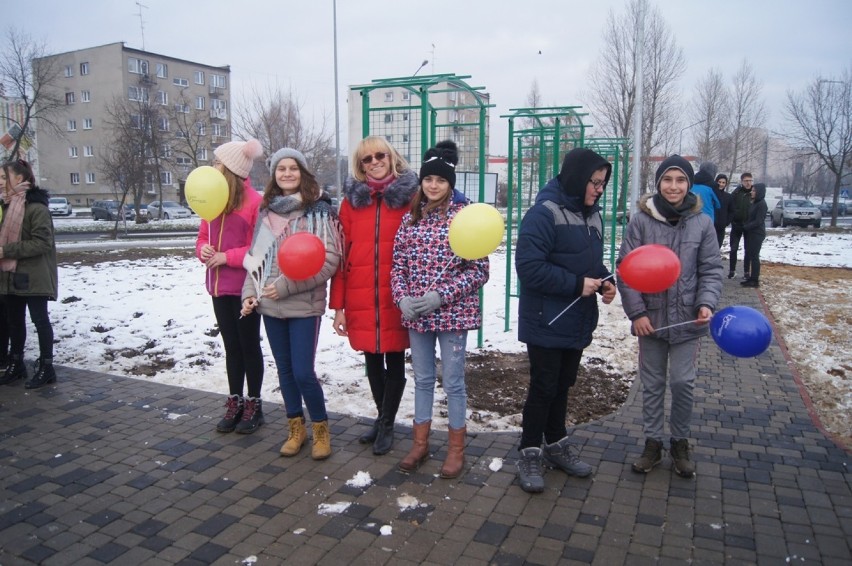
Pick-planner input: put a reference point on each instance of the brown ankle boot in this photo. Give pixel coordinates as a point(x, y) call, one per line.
point(454, 464)
point(419, 452)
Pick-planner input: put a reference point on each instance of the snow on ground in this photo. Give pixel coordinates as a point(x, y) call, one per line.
point(109, 313)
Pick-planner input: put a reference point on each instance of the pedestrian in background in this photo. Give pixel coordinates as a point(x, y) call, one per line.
point(292, 309)
point(671, 217)
point(703, 187)
point(725, 211)
point(221, 246)
point(755, 232)
point(28, 273)
point(375, 197)
point(559, 261)
point(437, 293)
point(741, 198)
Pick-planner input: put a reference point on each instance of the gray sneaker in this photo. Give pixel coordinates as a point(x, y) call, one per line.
point(562, 455)
point(683, 466)
point(651, 456)
point(530, 471)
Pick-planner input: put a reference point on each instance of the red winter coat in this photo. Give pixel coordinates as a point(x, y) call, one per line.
point(362, 287)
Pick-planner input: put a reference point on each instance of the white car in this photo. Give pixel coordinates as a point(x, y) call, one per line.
point(169, 210)
point(59, 206)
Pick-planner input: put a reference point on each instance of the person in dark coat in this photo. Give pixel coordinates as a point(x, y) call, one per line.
point(755, 232)
point(559, 261)
point(726, 207)
point(28, 273)
point(741, 198)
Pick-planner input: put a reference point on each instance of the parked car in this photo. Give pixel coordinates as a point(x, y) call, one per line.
point(798, 212)
point(825, 208)
point(59, 206)
point(169, 210)
point(109, 210)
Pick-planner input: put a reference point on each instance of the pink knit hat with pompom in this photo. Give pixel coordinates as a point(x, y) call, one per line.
point(238, 156)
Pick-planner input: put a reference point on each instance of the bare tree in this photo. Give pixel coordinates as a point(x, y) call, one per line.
point(710, 111)
point(820, 123)
point(747, 119)
point(613, 79)
point(27, 76)
point(276, 118)
point(193, 132)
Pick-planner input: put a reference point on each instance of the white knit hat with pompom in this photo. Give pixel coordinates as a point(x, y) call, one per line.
point(238, 156)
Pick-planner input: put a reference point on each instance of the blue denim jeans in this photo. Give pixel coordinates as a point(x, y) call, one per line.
point(293, 342)
point(453, 345)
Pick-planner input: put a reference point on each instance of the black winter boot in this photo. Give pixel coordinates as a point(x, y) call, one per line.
point(15, 370)
point(390, 404)
point(233, 414)
point(252, 416)
point(44, 374)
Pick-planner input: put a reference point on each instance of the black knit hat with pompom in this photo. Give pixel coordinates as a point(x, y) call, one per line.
point(441, 160)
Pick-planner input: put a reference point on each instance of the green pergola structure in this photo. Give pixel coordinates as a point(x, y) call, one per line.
point(538, 139)
point(433, 108)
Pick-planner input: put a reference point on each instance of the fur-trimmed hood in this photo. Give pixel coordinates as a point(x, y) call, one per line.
point(397, 195)
point(646, 205)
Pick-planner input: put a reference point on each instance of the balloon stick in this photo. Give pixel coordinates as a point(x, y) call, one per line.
point(437, 277)
point(555, 318)
point(678, 324)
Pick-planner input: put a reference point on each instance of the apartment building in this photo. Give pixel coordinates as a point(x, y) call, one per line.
point(92, 80)
point(395, 113)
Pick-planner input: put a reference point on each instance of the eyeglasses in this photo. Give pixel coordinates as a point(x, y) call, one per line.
point(597, 184)
point(378, 156)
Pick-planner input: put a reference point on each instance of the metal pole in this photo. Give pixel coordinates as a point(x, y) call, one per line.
point(637, 118)
point(338, 176)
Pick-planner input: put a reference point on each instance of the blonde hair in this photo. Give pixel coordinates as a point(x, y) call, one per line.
point(369, 146)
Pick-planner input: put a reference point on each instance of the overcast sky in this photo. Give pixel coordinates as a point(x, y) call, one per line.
point(496, 42)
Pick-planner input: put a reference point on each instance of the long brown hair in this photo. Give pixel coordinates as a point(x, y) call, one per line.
point(308, 187)
point(235, 190)
point(22, 168)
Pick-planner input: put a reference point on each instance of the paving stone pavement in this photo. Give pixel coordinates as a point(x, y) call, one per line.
point(100, 469)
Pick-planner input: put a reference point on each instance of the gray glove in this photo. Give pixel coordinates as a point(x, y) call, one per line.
point(406, 305)
point(428, 303)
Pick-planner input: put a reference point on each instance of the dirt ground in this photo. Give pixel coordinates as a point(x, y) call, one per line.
point(812, 306)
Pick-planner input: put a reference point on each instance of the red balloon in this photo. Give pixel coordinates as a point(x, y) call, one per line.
point(301, 256)
point(652, 268)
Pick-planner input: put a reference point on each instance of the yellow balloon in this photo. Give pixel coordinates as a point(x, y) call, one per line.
point(206, 192)
point(476, 231)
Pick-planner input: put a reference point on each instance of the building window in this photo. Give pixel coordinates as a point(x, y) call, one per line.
point(137, 93)
point(137, 66)
point(162, 71)
point(201, 154)
point(183, 161)
point(89, 151)
point(406, 95)
point(162, 97)
point(199, 103)
point(388, 118)
point(199, 77)
point(389, 96)
point(389, 138)
point(86, 96)
point(69, 71)
point(177, 81)
point(75, 178)
point(90, 178)
point(217, 104)
point(218, 81)
point(163, 124)
point(200, 128)
point(217, 130)
point(166, 151)
point(180, 134)
point(84, 68)
point(182, 108)
point(405, 137)
point(136, 121)
point(405, 116)
point(72, 152)
point(166, 177)
point(87, 123)
point(72, 125)
point(69, 98)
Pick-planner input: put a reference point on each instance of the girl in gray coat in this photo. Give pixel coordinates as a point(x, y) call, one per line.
point(672, 217)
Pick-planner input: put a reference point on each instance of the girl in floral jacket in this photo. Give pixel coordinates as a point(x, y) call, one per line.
point(437, 294)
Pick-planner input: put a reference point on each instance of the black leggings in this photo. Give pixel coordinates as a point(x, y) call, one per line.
point(16, 311)
point(382, 367)
point(241, 337)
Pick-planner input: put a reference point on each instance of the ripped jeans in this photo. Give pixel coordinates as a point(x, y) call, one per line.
point(453, 345)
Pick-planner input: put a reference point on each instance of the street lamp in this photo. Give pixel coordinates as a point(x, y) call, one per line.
point(680, 142)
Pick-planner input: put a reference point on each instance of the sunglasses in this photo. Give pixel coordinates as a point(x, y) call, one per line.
point(379, 155)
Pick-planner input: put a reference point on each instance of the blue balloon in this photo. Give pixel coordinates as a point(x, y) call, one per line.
point(741, 331)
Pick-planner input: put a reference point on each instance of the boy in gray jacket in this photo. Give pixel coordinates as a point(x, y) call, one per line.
point(672, 217)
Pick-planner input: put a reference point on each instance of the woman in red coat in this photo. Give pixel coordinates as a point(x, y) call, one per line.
point(376, 196)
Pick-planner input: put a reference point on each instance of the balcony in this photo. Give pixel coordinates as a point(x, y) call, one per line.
point(216, 91)
point(218, 114)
